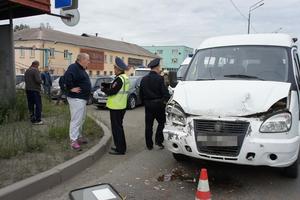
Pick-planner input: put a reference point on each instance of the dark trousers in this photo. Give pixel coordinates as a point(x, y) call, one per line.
point(152, 112)
point(47, 90)
point(34, 105)
point(116, 119)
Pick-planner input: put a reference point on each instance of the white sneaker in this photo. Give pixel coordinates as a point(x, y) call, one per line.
point(38, 123)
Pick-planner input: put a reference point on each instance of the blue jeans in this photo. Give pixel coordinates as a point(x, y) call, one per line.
point(34, 105)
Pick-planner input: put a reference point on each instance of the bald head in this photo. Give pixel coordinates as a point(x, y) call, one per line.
point(83, 59)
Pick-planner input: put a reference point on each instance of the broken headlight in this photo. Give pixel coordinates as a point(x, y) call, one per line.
point(175, 114)
point(277, 123)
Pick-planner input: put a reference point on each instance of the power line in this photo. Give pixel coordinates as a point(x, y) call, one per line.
point(242, 14)
point(235, 6)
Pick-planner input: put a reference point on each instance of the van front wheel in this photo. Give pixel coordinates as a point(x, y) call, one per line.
point(291, 171)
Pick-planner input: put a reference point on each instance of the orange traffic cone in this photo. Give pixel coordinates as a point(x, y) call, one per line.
point(203, 192)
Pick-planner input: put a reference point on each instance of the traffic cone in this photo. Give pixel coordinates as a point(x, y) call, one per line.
point(203, 192)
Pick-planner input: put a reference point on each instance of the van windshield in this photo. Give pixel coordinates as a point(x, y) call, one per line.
point(267, 63)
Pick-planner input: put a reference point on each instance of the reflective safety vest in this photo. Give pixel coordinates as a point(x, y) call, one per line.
point(119, 100)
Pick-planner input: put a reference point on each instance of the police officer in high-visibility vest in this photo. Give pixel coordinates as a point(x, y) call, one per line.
point(117, 93)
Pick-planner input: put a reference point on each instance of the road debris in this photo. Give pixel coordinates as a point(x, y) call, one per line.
point(176, 174)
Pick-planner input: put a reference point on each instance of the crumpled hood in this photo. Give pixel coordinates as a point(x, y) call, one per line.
point(229, 97)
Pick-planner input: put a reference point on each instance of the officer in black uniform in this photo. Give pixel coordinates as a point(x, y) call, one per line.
point(154, 95)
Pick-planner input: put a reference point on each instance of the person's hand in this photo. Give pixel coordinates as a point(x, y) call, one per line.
point(76, 90)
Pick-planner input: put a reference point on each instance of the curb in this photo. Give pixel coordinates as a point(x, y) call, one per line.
point(50, 178)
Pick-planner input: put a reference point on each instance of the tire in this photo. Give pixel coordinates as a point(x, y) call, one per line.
point(131, 102)
point(100, 107)
point(291, 171)
point(180, 157)
point(90, 100)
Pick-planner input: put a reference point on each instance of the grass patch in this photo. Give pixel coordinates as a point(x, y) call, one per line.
point(15, 111)
point(26, 150)
point(18, 136)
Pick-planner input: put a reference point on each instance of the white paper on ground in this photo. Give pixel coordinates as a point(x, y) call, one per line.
point(104, 194)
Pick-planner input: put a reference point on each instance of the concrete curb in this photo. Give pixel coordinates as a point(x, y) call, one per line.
point(50, 178)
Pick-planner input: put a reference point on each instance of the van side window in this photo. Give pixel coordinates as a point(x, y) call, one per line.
point(296, 61)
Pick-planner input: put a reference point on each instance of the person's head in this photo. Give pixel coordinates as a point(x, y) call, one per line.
point(83, 59)
point(46, 69)
point(35, 64)
point(155, 66)
point(119, 66)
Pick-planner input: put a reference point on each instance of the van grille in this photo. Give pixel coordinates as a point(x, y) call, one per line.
point(233, 129)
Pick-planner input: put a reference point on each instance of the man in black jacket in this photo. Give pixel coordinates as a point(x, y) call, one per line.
point(78, 87)
point(154, 94)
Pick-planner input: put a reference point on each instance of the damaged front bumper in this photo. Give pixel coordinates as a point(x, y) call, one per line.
point(251, 146)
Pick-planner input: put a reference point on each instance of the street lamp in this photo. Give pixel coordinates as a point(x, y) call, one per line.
point(251, 8)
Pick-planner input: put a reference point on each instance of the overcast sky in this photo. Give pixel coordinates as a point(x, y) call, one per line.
point(175, 22)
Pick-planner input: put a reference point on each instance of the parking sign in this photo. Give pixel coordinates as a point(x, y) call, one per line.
point(63, 3)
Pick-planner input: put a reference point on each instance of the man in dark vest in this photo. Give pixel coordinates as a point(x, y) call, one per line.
point(33, 83)
point(154, 94)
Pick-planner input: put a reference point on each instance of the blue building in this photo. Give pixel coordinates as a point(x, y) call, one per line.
point(172, 56)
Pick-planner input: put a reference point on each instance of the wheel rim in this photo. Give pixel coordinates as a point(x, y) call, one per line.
point(132, 102)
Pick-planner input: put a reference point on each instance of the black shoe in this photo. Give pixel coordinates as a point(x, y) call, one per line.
point(149, 148)
point(113, 148)
point(116, 153)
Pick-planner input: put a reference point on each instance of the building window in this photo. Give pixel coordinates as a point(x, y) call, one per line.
point(104, 72)
point(66, 54)
point(22, 71)
point(32, 53)
point(111, 59)
point(174, 51)
point(174, 60)
point(98, 73)
point(105, 58)
point(22, 52)
point(52, 50)
point(160, 51)
point(110, 73)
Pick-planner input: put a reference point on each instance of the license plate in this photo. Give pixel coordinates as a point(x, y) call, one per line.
point(101, 100)
point(217, 140)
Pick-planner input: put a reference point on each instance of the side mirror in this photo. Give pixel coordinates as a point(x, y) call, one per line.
point(173, 79)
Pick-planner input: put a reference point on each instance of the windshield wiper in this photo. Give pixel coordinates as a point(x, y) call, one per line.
point(205, 79)
point(242, 76)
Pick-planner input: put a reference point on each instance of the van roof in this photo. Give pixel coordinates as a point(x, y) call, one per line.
point(271, 39)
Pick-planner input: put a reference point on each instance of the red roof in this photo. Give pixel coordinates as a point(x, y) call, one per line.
point(23, 8)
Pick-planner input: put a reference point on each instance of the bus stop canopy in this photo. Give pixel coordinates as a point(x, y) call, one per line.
point(23, 8)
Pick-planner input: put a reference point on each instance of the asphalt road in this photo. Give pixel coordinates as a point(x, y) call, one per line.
point(135, 174)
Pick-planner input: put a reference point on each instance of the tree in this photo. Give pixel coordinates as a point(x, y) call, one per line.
point(21, 27)
point(45, 26)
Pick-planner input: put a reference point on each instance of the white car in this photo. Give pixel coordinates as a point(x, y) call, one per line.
point(239, 103)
